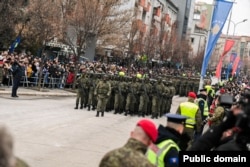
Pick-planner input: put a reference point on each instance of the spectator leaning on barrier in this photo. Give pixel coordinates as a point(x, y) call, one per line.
point(132, 154)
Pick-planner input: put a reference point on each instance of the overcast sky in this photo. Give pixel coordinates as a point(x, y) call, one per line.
point(241, 11)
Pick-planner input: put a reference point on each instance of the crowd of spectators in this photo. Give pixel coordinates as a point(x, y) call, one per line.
point(56, 74)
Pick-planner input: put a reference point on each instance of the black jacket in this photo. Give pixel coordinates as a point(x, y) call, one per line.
point(165, 133)
point(211, 139)
point(17, 70)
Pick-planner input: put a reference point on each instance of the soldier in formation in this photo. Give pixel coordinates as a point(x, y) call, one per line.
point(130, 95)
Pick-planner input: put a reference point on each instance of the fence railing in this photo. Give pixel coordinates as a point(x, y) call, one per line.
point(46, 81)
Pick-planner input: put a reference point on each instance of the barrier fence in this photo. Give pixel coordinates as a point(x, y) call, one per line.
point(46, 81)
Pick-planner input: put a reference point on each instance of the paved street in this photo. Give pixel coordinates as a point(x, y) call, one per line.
point(48, 132)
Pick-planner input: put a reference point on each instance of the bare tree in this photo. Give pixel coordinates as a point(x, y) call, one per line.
point(85, 21)
point(11, 15)
point(43, 27)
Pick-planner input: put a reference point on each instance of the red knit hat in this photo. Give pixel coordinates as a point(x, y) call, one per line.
point(149, 128)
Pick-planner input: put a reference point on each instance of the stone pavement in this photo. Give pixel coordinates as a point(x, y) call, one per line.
point(48, 132)
point(4, 90)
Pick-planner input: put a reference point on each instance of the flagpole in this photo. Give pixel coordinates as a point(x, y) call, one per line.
point(228, 27)
point(208, 35)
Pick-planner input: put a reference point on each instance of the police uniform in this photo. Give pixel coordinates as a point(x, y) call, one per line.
point(166, 149)
point(202, 104)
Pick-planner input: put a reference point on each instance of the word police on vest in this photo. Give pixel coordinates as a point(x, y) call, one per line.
point(216, 158)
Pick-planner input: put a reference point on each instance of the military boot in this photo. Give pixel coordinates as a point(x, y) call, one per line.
point(88, 107)
point(143, 114)
point(81, 106)
point(126, 113)
point(76, 107)
point(116, 111)
point(156, 115)
point(102, 113)
point(97, 114)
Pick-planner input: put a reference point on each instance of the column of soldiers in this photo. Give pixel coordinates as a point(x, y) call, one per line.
point(131, 95)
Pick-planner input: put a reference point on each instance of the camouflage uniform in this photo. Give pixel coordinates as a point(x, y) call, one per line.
point(116, 95)
point(157, 98)
point(132, 89)
point(217, 117)
point(145, 90)
point(166, 97)
point(85, 90)
point(130, 155)
point(80, 90)
point(103, 91)
point(21, 163)
point(172, 94)
point(91, 91)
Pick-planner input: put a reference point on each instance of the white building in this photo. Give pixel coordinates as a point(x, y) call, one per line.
point(201, 24)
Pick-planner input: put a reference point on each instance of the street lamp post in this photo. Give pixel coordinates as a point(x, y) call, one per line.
point(235, 25)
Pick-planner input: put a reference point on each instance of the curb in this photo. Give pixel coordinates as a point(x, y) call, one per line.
point(40, 94)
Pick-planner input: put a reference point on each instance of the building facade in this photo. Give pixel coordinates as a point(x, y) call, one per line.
point(185, 17)
point(201, 24)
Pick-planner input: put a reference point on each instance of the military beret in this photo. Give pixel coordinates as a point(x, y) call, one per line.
point(149, 128)
point(176, 118)
point(192, 95)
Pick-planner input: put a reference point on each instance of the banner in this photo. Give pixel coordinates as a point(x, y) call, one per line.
point(230, 65)
point(235, 65)
point(228, 46)
point(15, 44)
point(220, 14)
point(239, 67)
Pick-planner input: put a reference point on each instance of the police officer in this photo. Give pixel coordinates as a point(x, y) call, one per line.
point(103, 91)
point(169, 142)
point(190, 110)
point(202, 104)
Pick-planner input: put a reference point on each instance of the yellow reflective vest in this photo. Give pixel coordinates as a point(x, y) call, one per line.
point(189, 110)
point(209, 87)
point(157, 153)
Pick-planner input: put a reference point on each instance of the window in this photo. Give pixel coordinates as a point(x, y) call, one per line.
point(197, 16)
point(192, 40)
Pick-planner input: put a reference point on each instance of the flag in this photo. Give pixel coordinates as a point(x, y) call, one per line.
point(235, 64)
point(15, 44)
point(228, 46)
point(239, 67)
point(220, 14)
point(230, 65)
point(233, 57)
